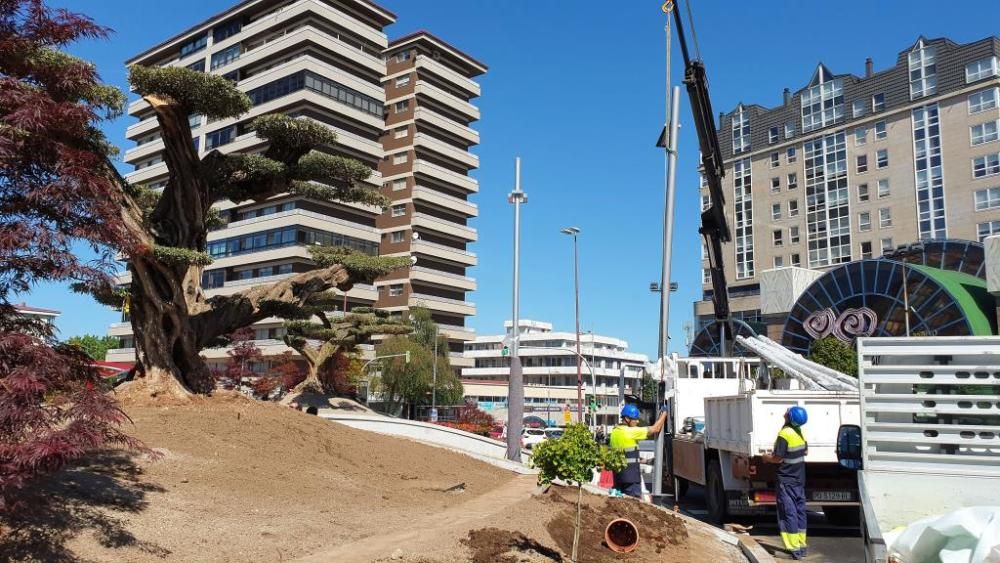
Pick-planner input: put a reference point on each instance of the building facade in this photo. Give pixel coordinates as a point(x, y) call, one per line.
point(549, 367)
point(331, 61)
point(851, 167)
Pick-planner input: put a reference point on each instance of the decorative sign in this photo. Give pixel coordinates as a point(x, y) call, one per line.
point(851, 324)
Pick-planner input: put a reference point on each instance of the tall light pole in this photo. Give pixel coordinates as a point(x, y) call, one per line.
point(515, 392)
point(434, 371)
point(573, 232)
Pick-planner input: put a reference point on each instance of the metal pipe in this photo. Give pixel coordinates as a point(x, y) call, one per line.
point(515, 393)
point(579, 365)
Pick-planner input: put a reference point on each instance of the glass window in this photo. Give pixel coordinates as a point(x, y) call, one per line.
point(860, 136)
point(194, 120)
point(706, 202)
point(773, 135)
point(793, 181)
point(401, 132)
point(397, 236)
point(789, 130)
point(986, 165)
point(883, 187)
point(395, 290)
point(878, 103)
point(776, 237)
point(929, 174)
point(886, 245)
point(706, 275)
point(796, 260)
point(226, 30)
point(822, 104)
point(862, 192)
point(197, 66)
point(779, 261)
point(775, 211)
point(983, 68)
point(775, 185)
point(774, 160)
point(399, 184)
point(194, 45)
point(743, 221)
point(225, 56)
point(987, 199)
point(793, 234)
point(220, 137)
point(864, 221)
point(862, 164)
point(402, 56)
point(740, 126)
point(400, 158)
point(884, 218)
point(882, 158)
point(790, 154)
point(285, 269)
point(398, 210)
point(402, 80)
point(828, 224)
point(923, 71)
point(793, 208)
point(984, 133)
point(880, 130)
point(857, 108)
point(987, 229)
point(982, 101)
point(866, 250)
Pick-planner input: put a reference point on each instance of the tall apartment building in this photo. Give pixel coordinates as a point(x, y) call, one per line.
point(849, 167)
point(330, 61)
point(549, 366)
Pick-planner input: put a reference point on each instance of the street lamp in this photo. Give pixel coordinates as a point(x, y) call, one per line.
point(515, 393)
point(573, 232)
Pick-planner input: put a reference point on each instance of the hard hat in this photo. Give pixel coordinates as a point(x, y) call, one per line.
point(630, 411)
point(797, 416)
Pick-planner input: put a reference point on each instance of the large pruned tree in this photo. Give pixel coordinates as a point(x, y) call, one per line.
point(318, 336)
point(171, 317)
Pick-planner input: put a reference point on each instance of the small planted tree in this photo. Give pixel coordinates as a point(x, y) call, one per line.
point(835, 354)
point(242, 354)
point(573, 458)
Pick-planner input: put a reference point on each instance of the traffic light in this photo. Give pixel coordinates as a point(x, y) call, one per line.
point(505, 352)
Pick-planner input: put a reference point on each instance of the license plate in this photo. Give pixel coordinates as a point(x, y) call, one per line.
point(832, 496)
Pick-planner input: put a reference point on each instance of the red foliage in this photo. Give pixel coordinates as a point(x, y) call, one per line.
point(287, 371)
point(471, 428)
point(471, 419)
point(336, 376)
point(241, 356)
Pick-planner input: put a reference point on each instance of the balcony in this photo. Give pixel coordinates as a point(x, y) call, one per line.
point(303, 217)
point(444, 252)
point(445, 175)
point(443, 226)
point(291, 11)
point(143, 151)
point(446, 201)
point(446, 279)
point(450, 100)
point(463, 82)
point(359, 291)
point(435, 303)
point(446, 124)
point(461, 156)
point(458, 333)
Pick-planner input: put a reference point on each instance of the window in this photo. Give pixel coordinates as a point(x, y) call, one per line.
point(822, 104)
point(982, 101)
point(862, 164)
point(775, 185)
point(860, 136)
point(928, 172)
point(793, 235)
point(400, 158)
point(232, 76)
point(396, 236)
point(776, 237)
point(197, 66)
point(225, 56)
point(980, 69)
point(923, 71)
point(857, 108)
point(772, 135)
point(796, 260)
point(886, 245)
point(775, 211)
point(706, 202)
point(704, 251)
point(984, 133)
point(790, 153)
point(400, 107)
point(883, 188)
point(793, 181)
point(402, 81)
point(987, 199)
point(743, 220)
point(194, 120)
point(827, 196)
point(864, 221)
point(878, 103)
point(220, 137)
point(226, 30)
point(399, 184)
point(789, 130)
point(401, 132)
point(706, 275)
point(986, 229)
point(880, 131)
point(395, 290)
point(779, 261)
point(741, 130)
point(986, 165)
point(866, 250)
point(398, 210)
point(882, 158)
point(774, 160)
point(862, 192)
point(402, 56)
point(194, 45)
point(884, 218)
point(793, 208)
point(324, 86)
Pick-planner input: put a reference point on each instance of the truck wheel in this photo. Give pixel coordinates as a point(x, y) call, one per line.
point(680, 487)
point(715, 494)
point(843, 515)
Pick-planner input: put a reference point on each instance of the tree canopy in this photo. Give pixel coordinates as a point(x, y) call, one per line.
point(94, 346)
point(835, 354)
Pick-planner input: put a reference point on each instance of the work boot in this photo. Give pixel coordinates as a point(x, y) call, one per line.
point(798, 555)
point(804, 551)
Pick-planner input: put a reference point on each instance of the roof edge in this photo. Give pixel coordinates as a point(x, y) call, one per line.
point(424, 34)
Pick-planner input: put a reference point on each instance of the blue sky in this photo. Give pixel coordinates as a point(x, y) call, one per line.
point(576, 89)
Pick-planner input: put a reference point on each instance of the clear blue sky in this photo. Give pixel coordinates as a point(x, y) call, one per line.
point(577, 90)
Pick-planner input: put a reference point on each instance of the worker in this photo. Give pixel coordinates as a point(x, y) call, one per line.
point(626, 437)
point(789, 453)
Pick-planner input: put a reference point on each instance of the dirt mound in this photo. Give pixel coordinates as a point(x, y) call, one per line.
point(493, 545)
point(241, 480)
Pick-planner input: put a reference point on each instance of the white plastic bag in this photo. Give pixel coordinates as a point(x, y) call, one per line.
point(969, 535)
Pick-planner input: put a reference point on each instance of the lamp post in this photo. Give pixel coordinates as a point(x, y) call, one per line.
point(515, 393)
point(434, 372)
point(573, 232)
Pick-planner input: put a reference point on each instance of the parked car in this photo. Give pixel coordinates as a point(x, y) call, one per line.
point(554, 433)
point(532, 436)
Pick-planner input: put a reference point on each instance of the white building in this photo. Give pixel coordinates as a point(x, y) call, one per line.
point(549, 365)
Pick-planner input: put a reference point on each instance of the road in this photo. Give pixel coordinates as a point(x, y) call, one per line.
point(827, 543)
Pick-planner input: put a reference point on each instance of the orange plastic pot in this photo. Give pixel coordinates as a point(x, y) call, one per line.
point(621, 535)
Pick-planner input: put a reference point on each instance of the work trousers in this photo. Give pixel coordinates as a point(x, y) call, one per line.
point(792, 515)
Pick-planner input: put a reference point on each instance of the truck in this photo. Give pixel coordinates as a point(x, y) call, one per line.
point(928, 441)
point(726, 415)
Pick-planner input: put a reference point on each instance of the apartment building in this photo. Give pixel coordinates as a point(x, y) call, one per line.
point(850, 167)
point(549, 367)
point(325, 60)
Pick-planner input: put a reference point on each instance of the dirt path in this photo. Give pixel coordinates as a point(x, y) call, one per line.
point(426, 532)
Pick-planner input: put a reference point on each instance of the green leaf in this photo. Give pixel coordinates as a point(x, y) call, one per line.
point(204, 93)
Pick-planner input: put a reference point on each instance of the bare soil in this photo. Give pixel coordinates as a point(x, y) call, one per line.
point(238, 480)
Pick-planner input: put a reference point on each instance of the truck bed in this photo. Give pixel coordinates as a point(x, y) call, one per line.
point(748, 424)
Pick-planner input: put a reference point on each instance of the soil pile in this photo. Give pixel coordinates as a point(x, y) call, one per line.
point(240, 480)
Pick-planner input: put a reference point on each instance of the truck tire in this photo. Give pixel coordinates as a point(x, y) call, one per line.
point(680, 487)
point(715, 493)
point(843, 515)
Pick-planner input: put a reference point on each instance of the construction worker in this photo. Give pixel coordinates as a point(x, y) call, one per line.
point(790, 454)
point(626, 437)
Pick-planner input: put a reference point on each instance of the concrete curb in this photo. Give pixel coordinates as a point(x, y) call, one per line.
point(754, 552)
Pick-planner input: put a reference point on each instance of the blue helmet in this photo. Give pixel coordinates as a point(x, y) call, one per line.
point(630, 411)
point(797, 416)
